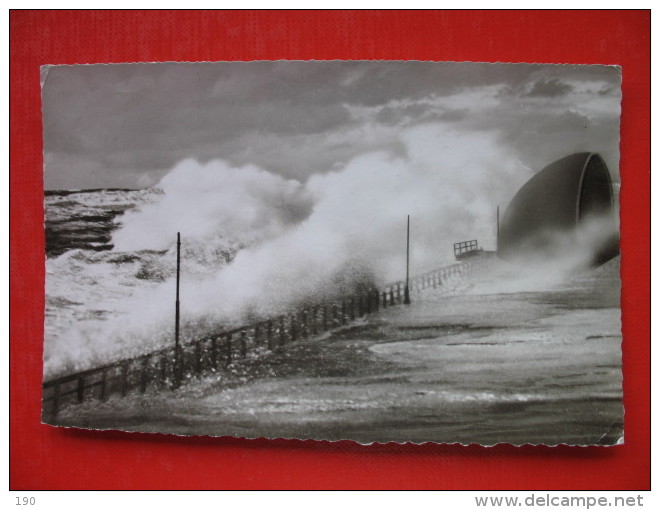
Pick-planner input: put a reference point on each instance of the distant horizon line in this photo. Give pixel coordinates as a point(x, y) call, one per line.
point(89, 190)
point(53, 191)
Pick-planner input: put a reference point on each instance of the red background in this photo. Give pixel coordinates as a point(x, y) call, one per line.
point(42, 457)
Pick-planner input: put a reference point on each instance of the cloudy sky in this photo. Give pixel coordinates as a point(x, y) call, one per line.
point(127, 125)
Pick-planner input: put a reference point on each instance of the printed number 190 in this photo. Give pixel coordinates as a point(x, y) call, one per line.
point(25, 501)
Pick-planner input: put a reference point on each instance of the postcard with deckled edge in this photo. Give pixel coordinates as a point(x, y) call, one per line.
point(372, 251)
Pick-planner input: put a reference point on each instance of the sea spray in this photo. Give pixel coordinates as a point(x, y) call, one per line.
point(214, 200)
point(255, 244)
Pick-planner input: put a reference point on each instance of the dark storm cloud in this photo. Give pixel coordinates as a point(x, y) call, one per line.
point(126, 125)
point(418, 113)
point(550, 88)
point(540, 136)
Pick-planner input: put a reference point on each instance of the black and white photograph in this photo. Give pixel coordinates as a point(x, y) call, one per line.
point(375, 251)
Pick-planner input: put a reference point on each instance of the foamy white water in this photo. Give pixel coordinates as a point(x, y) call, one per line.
point(255, 243)
point(470, 365)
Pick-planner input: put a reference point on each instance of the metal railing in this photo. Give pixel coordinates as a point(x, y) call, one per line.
point(465, 247)
point(168, 367)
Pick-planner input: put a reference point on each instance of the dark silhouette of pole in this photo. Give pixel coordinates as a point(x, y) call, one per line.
point(497, 238)
point(177, 349)
point(406, 295)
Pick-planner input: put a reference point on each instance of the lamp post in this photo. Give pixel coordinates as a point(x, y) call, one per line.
point(406, 295)
point(497, 236)
point(177, 350)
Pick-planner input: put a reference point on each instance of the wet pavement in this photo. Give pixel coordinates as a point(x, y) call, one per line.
point(473, 364)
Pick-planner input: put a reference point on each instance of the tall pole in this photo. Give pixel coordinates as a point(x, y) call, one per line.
point(177, 360)
point(497, 239)
point(406, 296)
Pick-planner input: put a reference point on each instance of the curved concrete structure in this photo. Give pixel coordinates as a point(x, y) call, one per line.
point(569, 205)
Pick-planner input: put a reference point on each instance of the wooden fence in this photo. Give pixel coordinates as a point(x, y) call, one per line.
point(169, 367)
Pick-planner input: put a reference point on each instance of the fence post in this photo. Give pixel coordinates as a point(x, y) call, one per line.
point(269, 333)
point(313, 316)
point(81, 388)
point(214, 352)
point(243, 344)
point(294, 330)
point(103, 384)
point(163, 369)
point(304, 324)
point(198, 357)
point(177, 366)
point(332, 315)
point(143, 374)
point(228, 347)
point(56, 399)
point(124, 379)
point(281, 331)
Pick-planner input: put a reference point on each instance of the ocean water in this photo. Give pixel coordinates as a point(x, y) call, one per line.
point(102, 303)
point(507, 356)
